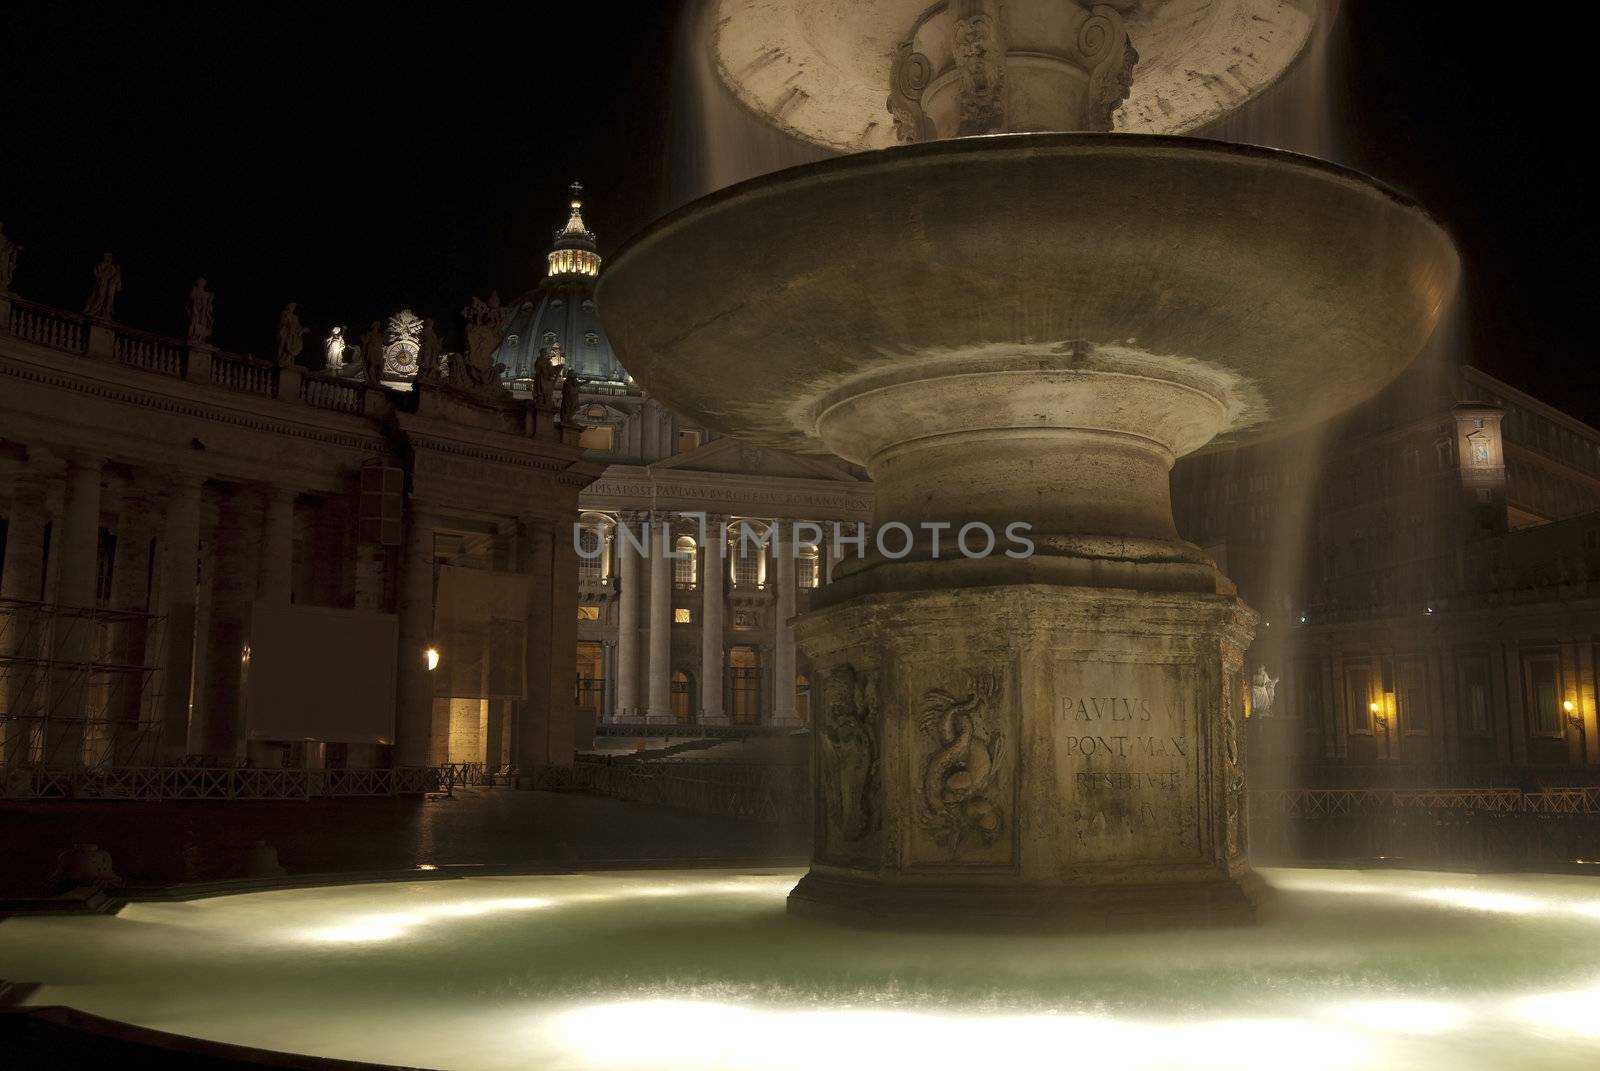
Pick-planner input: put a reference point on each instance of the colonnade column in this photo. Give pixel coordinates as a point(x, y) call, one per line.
point(660, 701)
point(627, 708)
point(22, 579)
point(179, 599)
point(414, 681)
point(117, 737)
point(74, 635)
point(711, 573)
point(275, 581)
point(783, 712)
point(217, 730)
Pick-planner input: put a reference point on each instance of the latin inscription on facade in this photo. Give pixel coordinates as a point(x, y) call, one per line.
point(1126, 745)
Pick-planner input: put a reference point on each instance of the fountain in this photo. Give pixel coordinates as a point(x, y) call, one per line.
point(1026, 327)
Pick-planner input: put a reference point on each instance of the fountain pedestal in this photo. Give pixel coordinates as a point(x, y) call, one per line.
point(1029, 752)
point(1029, 329)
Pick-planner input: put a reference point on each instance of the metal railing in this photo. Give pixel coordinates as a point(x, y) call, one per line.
point(215, 783)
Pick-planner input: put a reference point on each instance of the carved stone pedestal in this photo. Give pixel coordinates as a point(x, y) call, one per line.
point(1029, 754)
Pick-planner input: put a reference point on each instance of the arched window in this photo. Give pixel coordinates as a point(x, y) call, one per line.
point(682, 697)
point(808, 573)
point(751, 541)
point(683, 568)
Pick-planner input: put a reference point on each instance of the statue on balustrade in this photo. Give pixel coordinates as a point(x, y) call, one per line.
point(8, 260)
point(335, 346)
point(544, 378)
point(291, 336)
point(486, 323)
point(200, 315)
point(430, 354)
point(372, 345)
point(570, 386)
point(107, 284)
point(1263, 693)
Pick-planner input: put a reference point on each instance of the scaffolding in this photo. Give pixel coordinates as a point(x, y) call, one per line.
point(79, 686)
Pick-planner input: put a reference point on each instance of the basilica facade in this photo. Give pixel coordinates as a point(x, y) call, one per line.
point(687, 624)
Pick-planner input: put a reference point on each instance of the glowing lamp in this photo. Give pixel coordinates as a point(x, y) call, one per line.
point(432, 655)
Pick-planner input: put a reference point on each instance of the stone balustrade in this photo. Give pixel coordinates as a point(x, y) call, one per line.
point(55, 328)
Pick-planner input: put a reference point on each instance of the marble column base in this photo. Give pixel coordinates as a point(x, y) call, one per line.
point(1029, 754)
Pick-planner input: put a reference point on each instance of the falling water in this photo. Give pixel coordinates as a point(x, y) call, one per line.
point(717, 141)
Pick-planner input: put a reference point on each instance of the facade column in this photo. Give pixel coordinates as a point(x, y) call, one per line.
point(711, 632)
point(546, 725)
point(217, 730)
point(22, 580)
point(414, 681)
point(117, 737)
point(275, 581)
point(660, 701)
point(608, 681)
point(631, 525)
point(180, 579)
point(74, 635)
point(783, 712)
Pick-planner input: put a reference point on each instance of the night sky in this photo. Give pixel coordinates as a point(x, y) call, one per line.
point(358, 165)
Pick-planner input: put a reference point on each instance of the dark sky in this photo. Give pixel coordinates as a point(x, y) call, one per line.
point(358, 164)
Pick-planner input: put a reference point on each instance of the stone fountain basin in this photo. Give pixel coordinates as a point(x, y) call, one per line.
point(819, 69)
point(703, 969)
point(1250, 290)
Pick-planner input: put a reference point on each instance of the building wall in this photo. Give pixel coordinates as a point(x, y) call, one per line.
point(176, 486)
point(1451, 552)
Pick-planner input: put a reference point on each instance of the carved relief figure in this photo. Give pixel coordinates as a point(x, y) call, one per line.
point(200, 314)
point(291, 336)
point(8, 260)
point(980, 59)
point(849, 752)
point(907, 79)
point(1103, 40)
point(959, 793)
point(107, 284)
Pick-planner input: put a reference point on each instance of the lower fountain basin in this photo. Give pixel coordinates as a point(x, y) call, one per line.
point(703, 969)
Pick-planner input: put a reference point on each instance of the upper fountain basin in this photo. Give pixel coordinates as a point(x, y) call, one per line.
point(1273, 289)
point(821, 69)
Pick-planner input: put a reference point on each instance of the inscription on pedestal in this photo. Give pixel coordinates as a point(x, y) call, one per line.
point(1127, 748)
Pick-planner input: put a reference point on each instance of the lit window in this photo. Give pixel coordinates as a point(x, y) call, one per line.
point(683, 566)
point(682, 615)
point(688, 440)
point(588, 613)
point(595, 438)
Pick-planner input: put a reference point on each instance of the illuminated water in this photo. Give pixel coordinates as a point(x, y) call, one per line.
point(703, 969)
